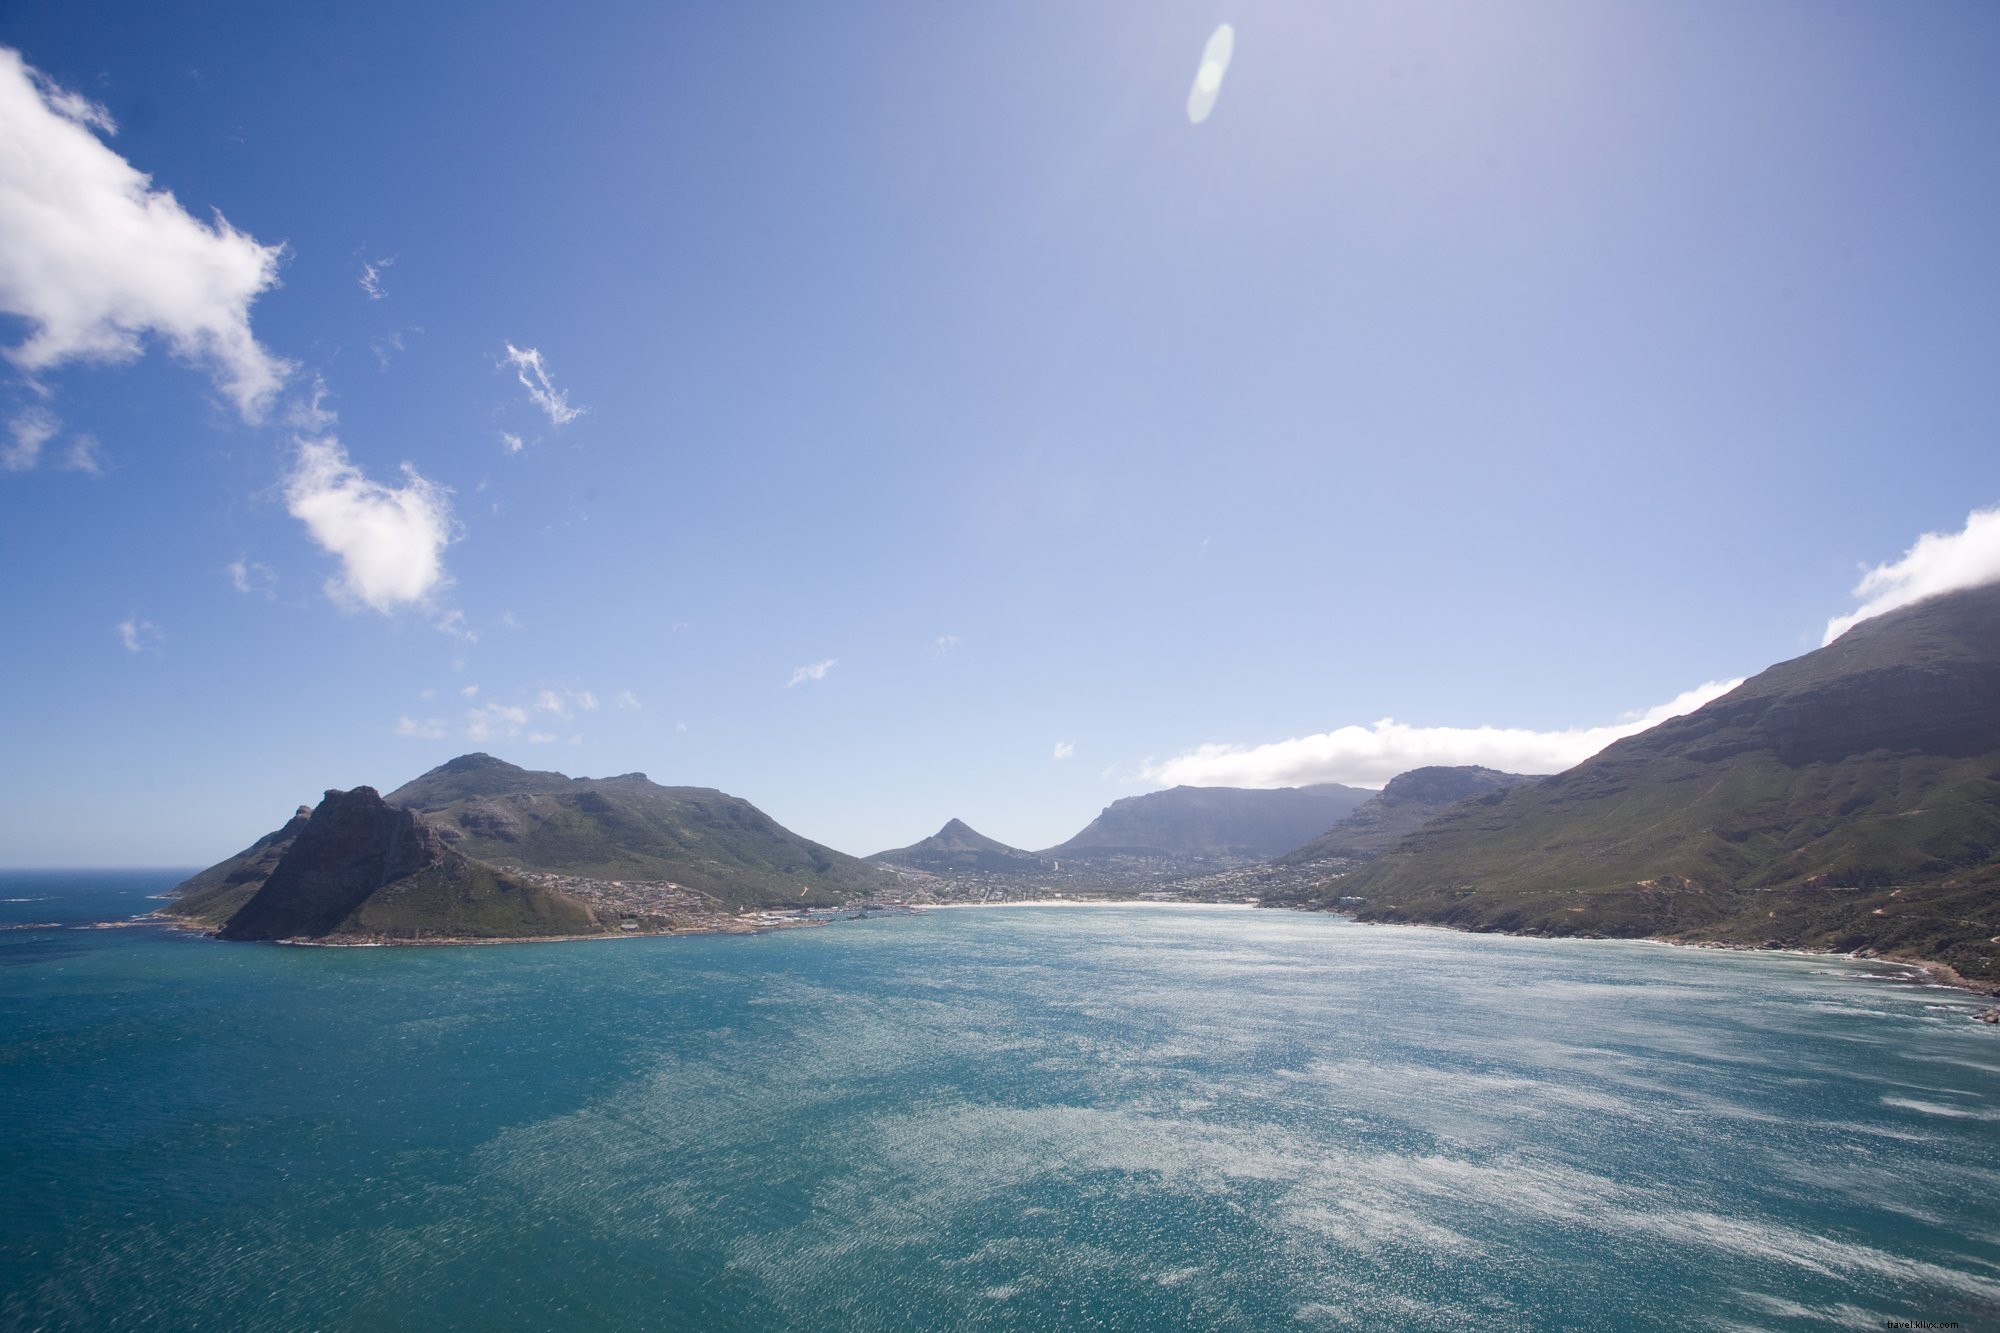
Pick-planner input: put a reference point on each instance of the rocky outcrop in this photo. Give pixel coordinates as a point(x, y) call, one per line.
point(352, 846)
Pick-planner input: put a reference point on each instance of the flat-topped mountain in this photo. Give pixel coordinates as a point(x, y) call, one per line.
point(1407, 803)
point(1225, 824)
point(478, 847)
point(1846, 798)
point(958, 846)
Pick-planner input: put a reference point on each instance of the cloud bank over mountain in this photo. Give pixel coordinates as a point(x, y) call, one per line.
point(1937, 562)
point(1370, 756)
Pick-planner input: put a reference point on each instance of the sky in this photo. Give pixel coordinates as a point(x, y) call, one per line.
point(890, 415)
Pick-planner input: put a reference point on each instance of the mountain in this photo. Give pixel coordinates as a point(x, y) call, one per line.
point(480, 848)
point(1848, 798)
point(1212, 823)
point(957, 846)
point(363, 868)
point(213, 896)
point(1407, 803)
point(628, 828)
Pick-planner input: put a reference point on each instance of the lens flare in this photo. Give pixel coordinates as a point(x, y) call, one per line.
point(1208, 75)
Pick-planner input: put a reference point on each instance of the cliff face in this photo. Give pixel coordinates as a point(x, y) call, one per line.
point(353, 845)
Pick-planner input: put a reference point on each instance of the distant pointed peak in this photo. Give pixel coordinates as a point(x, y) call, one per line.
point(955, 826)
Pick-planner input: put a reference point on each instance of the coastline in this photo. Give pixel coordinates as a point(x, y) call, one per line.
point(1941, 975)
point(1936, 973)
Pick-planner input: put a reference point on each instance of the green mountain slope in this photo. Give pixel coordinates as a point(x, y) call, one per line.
point(628, 828)
point(958, 846)
point(1217, 823)
point(1848, 798)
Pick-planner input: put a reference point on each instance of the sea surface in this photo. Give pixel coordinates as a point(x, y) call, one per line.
point(1037, 1118)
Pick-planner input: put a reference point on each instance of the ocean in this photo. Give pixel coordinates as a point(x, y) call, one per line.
point(1028, 1117)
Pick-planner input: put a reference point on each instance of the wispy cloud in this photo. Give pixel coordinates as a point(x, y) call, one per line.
point(371, 278)
point(1938, 562)
point(534, 377)
point(251, 576)
point(942, 645)
point(430, 729)
point(30, 431)
point(626, 701)
point(390, 539)
point(511, 442)
point(1370, 756)
point(96, 259)
point(1064, 749)
point(494, 722)
point(137, 636)
point(470, 691)
point(815, 671)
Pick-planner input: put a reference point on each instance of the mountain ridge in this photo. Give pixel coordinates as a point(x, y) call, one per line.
point(1847, 798)
point(1241, 824)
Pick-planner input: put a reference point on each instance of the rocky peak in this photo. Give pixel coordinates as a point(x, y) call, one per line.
point(352, 844)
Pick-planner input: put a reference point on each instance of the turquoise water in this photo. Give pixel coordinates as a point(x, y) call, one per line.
point(1129, 1118)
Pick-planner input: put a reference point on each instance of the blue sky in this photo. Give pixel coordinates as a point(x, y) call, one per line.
point(927, 418)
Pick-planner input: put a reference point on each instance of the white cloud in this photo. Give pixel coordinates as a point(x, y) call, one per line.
point(626, 701)
point(1208, 74)
point(585, 700)
point(1938, 562)
point(251, 576)
point(430, 729)
point(494, 721)
point(139, 635)
point(390, 539)
point(816, 671)
point(1064, 749)
point(528, 362)
point(452, 624)
point(680, 726)
point(548, 701)
point(470, 691)
point(83, 456)
point(511, 442)
point(541, 738)
point(942, 645)
point(96, 260)
point(389, 346)
point(31, 430)
point(371, 280)
point(1370, 756)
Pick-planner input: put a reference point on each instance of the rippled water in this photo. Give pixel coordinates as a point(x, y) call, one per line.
point(1027, 1117)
